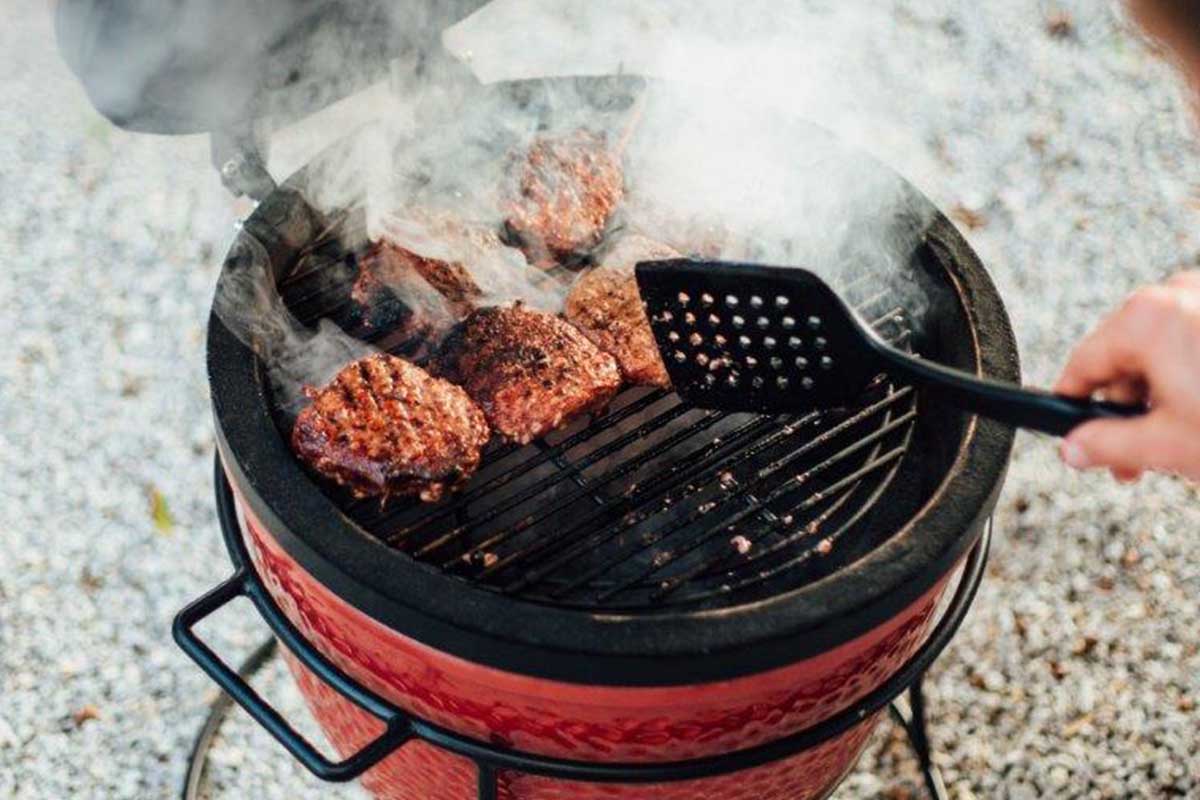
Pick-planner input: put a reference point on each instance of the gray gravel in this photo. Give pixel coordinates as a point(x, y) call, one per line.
point(1076, 675)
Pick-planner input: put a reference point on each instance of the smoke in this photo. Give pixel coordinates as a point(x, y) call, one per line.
point(749, 142)
point(249, 304)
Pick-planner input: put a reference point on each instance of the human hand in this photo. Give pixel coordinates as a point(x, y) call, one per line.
point(1146, 351)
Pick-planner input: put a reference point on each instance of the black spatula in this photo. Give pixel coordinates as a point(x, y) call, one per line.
point(748, 337)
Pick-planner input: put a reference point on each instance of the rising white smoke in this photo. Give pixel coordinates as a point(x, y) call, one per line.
point(728, 152)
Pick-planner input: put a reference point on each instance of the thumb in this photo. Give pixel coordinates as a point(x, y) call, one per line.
point(1123, 444)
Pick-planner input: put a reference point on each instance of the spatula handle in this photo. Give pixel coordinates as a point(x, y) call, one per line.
point(1034, 409)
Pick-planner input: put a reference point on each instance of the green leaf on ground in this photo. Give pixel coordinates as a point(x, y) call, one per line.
point(160, 512)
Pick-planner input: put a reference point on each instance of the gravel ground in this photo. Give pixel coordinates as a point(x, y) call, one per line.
point(1064, 151)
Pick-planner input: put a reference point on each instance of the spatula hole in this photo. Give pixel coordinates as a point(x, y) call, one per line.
point(794, 342)
point(788, 323)
point(777, 363)
point(826, 362)
point(763, 323)
point(731, 301)
point(679, 356)
point(769, 342)
point(755, 301)
point(673, 336)
point(695, 340)
point(814, 322)
point(744, 341)
point(801, 362)
point(714, 320)
point(820, 343)
point(781, 382)
point(684, 299)
point(739, 321)
point(807, 383)
point(706, 299)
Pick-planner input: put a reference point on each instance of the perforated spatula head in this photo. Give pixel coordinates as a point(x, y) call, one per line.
point(749, 337)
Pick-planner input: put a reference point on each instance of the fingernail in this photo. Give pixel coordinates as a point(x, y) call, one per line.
point(1074, 455)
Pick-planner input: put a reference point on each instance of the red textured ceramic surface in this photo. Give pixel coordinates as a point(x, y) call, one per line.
point(576, 721)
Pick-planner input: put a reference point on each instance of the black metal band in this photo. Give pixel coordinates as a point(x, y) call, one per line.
point(401, 727)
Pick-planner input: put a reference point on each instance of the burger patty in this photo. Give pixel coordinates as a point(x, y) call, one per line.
point(387, 268)
point(563, 193)
point(529, 371)
point(606, 306)
point(384, 426)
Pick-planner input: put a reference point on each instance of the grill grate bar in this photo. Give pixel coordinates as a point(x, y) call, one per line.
point(786, 487)
point(493, 484)
point(763, 474)
point(892, 457)
point(627, 468)
point(783, 544)
point(541, 486)
point(711, 457)
point(756, 536)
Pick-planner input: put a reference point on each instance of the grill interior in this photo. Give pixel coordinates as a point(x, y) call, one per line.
point(653, 505)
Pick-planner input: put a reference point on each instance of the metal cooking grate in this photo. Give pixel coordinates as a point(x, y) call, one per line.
point(653, 505)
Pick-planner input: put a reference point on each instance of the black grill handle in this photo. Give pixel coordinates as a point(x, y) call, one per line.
point(398, 729)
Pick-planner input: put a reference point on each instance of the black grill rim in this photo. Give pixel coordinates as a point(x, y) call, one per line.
point(607, 648)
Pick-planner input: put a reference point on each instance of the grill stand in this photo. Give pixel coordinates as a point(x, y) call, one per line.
point(490, 759)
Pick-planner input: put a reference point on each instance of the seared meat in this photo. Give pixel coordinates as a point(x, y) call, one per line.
point(393, 275)
point(392, 296)
point(389, 263)
point(384, 426)
point(529, 371)
point(564, 191)
point(606, 306)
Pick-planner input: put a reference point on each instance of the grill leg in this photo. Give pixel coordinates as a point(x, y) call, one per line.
point(488, 789)
point(911, 716)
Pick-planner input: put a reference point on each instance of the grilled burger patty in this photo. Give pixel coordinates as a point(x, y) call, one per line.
point(384, 426)
point(605, 305)
point(529, 371)
point(387, 263)
point(564, 191)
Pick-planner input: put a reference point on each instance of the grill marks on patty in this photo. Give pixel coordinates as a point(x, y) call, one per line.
point(529, 371)
point(563, 193)
point(606, 306)
point(384, 426)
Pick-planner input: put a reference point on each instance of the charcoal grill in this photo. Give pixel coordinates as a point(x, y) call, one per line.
point(657, 602)
point(692, 602)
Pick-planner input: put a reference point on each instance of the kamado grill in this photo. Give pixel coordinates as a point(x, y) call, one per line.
point(655, 601)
